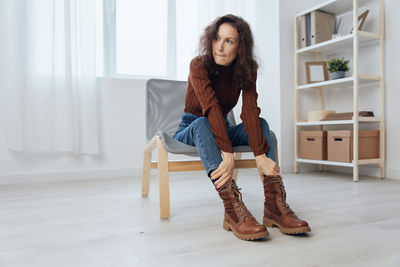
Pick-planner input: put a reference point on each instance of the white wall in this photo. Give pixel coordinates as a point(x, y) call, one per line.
point(287, 11)
point(268, 86)
point(392, 41)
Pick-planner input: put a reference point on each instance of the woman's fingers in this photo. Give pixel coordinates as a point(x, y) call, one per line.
point(222, 174)
point(216, 173)
point(272, 172)
point(221, 181)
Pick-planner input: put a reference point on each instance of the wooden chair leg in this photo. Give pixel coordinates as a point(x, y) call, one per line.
point(146, 166)
point(163, 180)
point(236, 171)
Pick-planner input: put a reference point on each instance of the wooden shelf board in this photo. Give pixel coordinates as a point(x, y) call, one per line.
point(363, 80)
point(336, 163)
point(325, 162)
point(341, 44)
point(325, 83)
point(337, 122)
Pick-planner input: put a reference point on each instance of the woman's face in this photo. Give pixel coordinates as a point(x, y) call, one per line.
point(225, 44)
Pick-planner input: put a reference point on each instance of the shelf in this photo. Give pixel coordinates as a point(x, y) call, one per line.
point(342, 43)
point(336, 163)
point(338, 122)
point(353, 45)
point(363, 80)
point(336, 7)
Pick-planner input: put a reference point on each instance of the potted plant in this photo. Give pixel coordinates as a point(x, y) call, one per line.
point(338, 67)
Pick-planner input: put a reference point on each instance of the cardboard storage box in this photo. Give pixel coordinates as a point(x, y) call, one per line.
point(340, 145)
point(313, 145)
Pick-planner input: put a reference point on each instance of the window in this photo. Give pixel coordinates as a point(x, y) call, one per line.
point(139, 38)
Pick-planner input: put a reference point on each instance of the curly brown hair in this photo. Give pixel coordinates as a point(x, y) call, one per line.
point(244, 66)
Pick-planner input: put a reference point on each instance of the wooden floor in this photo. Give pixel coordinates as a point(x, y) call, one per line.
point(105, 222)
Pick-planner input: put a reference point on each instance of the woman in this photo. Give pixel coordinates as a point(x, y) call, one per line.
point(224, 69)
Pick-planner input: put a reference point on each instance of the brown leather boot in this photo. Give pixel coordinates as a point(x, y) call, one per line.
point(237, 217)
point(277, 212)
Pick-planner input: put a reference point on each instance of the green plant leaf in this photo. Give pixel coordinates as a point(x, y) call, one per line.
point(337, 64)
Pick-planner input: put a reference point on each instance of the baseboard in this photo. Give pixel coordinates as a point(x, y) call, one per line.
point(27, 178)
point(289, 168)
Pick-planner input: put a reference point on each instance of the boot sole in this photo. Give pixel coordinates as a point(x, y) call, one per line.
point(246, 237)
point(290, 231)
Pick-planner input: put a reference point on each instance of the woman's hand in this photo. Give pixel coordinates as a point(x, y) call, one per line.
point(267, 166)
point(225, 170)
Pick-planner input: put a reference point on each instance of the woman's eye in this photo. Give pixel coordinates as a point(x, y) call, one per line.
point(229, 41)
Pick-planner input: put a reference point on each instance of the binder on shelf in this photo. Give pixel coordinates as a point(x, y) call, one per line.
point(308, 29)
point(303, 32)
point(320, 26)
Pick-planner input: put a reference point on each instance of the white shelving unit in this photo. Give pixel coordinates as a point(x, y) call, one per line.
point(350, 42)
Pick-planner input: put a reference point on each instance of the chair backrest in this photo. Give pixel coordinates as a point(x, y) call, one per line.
point(165, 102)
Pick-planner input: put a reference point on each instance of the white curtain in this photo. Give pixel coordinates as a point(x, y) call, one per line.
point(48, 79)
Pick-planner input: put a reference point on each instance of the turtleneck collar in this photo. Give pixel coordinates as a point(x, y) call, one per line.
point(225, 68)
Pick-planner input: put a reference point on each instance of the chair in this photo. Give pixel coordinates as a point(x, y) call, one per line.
point(165, 100)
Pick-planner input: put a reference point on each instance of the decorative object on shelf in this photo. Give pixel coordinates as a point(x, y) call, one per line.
point(335, 30)
point(347, 115)
point(316, 71)
point(338, 67)
point(361, 20)
point(318, 115)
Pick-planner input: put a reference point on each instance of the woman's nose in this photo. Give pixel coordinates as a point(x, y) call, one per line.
point(220, 46)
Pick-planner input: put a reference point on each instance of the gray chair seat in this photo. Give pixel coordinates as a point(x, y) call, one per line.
point(175, 147)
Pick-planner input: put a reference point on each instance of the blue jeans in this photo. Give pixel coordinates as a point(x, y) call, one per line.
point(196, 131)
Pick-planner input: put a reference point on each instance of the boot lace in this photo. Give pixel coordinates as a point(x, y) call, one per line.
point(282, 191)
point(241, 209)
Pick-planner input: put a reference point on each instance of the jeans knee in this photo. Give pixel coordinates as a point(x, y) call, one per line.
point(202, 124)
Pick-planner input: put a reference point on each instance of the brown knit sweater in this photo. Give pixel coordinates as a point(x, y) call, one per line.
point(215, 98)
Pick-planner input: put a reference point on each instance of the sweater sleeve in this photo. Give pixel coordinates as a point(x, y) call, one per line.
point(250, 117)
point(198, 78)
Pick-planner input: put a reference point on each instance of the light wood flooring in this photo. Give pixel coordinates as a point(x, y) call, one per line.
point(105, 222)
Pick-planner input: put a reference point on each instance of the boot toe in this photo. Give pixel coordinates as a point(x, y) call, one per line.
point(302, 223)
point(260, 228)
point(299, 223)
